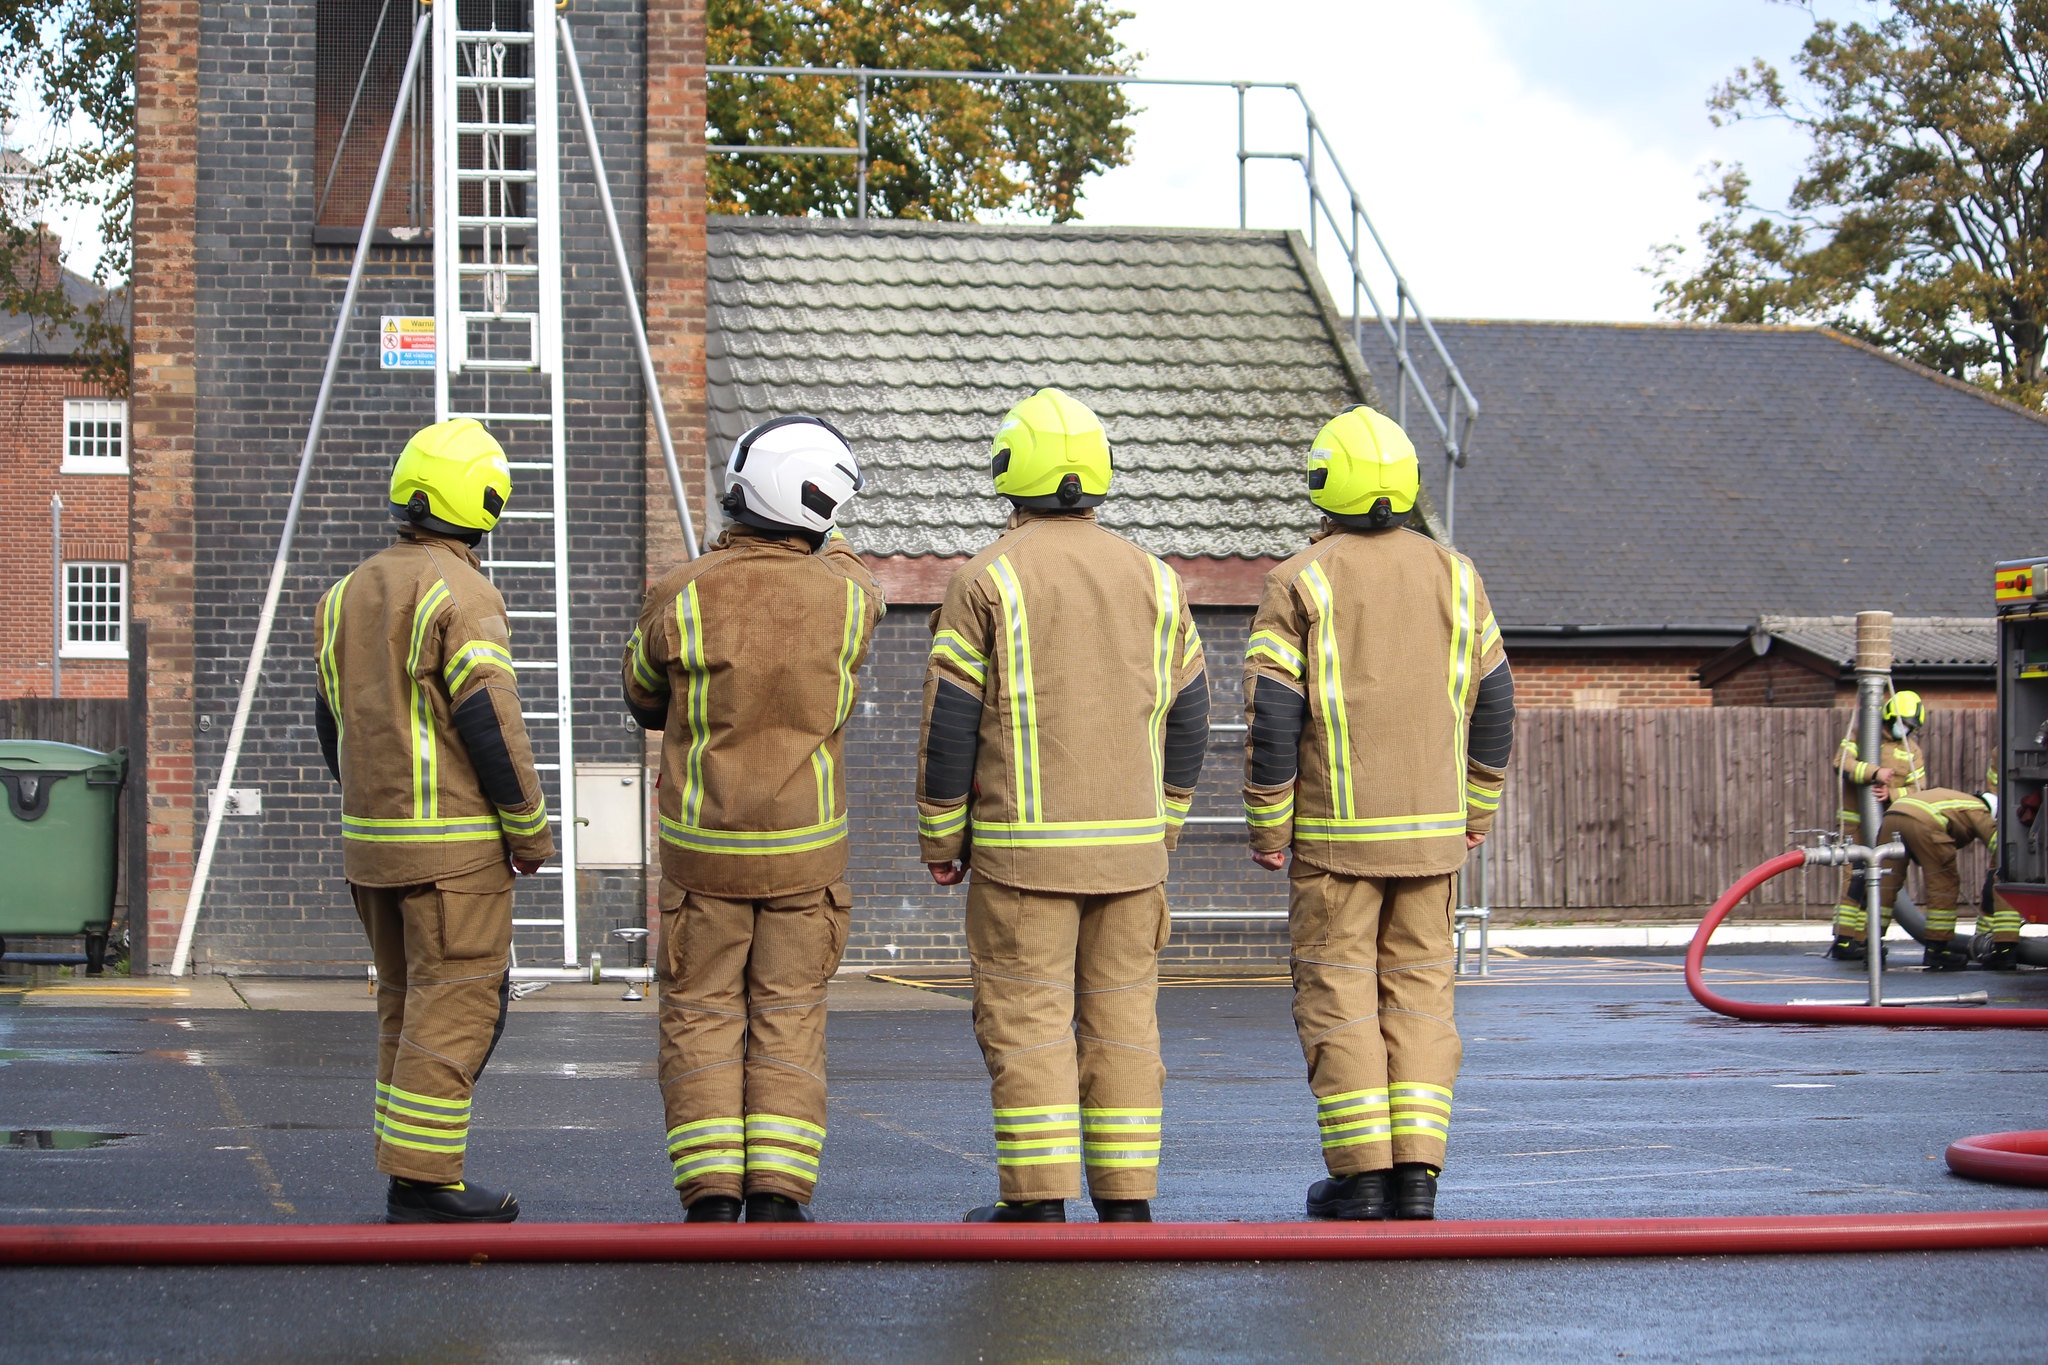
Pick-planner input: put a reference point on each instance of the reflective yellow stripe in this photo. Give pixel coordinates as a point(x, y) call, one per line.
point(1068, 833)
point(703, 1131)
point(1489, 635)
point(1177, 810)
point(1278, 650)
point(526, 825)
point(953, 646)
point(1330, 687)
point(1194, 646)
point(783, 1128)
point(697, 708)
point(643, 671)
point(849, 645)
point(752, 841)
point(1167, 603)
point(330, 653)
point(1463, 638)
point(453, 1108)
point(821, 773)
point(1482, 798)
point(1371, 829)
point(944, 823)
point(1265, 817)
point(472, 655)
point(1120, 1137)
point(782, 1159)
point(426, 781)
point(457, 831)
point(1023, 697)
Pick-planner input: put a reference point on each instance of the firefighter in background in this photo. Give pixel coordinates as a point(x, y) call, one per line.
point(1900, 770)
point(746, 659)
point(1937, 823)
point(1066, 716)
point(1381, 714)
point(1995, 915)
point(417, 712)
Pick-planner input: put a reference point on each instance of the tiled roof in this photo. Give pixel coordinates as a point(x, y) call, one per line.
point(1658, 475)
point(1917, 641)
point(1209, 355)
point(20, 335)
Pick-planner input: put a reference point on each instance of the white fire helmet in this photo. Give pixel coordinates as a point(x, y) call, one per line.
point(791, 474)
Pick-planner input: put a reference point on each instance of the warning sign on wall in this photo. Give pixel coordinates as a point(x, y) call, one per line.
point(405, 343)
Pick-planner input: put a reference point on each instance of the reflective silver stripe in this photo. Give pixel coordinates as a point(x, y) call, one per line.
point(731, 1162)
point(788, 1132)
point(701, 840)
point(1004, 834)
point(1419, 1123)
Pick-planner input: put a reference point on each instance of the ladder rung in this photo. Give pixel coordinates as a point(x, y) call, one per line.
point(547, 767)
point(485, 220)
point(488, 268)
point(526, 516)
point(528, 318)
point(531, 615)
point(510, 129)
point(519, 563)
point(494, 82)
point(491, 35)
point(537, 923)
point(507, 417)
point(529, 464)
point(536, 663)
point(539, 715)
point(509, 177)
point(507, 366)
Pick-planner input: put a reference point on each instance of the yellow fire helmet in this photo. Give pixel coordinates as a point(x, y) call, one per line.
point(1362, 471)
point(1908, 707)
point(452, 479)
point(1051, 452)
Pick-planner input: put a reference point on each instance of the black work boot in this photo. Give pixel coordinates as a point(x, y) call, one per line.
point(1848, 949)
point(1025, 1211)
point(419, 1201)
point(1411, 1190)
point(1360, 1198)
point(1944, 956)
point(2003, 957)
point(714, 1208)
point(1123, 1210)
point(775, 1208)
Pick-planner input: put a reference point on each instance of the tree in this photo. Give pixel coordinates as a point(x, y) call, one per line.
point(936, 149)
point(76, 58)
point(1920, 222)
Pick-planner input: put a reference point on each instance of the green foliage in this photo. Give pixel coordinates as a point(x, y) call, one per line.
point(77, 58)
point(937, 149)
point(1920, 222)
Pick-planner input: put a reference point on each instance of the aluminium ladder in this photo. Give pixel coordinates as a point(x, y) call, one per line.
point(498, 358)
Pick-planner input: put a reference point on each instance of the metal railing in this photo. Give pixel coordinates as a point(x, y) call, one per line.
point(1350, 226)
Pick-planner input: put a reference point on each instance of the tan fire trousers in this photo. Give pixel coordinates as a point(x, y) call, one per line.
point(1930, 847)
point(1373, 968)
point(742, 1052)
point(1066, 993)
point(441, 952)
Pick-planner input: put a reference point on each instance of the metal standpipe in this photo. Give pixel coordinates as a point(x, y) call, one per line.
point(1873, 673)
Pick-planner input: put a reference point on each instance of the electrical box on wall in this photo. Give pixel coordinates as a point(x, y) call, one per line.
point(611, 815)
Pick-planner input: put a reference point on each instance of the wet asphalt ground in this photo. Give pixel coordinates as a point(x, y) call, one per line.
point(1592, 1087)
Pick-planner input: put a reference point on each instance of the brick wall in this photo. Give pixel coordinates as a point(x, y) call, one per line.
point(265, 303)
point(1599, 678)
point(95, 527)
point(900, 917)
point(1772, 681)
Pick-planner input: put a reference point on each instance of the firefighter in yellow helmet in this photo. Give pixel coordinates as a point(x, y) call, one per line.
point(1900, 769)
point(746, 659)
point(1066, 716)
point(1936, 824)
point(1380, 712)
point(417, 712)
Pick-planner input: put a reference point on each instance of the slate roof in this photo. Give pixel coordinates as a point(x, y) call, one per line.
point(1917, 641)
point(20, 335)
point(1665, 475)
point(1210, 356)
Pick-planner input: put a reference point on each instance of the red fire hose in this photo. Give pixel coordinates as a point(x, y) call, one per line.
point(1884, 1015)
point(332, 1244)
point(2008, 1158)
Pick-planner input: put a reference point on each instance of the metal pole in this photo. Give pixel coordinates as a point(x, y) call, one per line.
point(1315, 198)
point(611, 223)
point(1241, 206)
point(1873, 671)
point(56, 596)
point(862, 118)
point(218, 805)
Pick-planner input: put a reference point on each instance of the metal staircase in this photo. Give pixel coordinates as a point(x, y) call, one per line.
point(498, 322)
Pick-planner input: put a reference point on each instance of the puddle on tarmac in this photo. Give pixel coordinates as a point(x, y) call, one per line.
point(55, 1054)
point(60, 1139)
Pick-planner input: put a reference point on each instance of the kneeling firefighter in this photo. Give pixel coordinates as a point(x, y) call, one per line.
point(1066, 717)
point(418, 716)
point(1381, 713)
point(746, 659)
point(1899, 768)
point(1937, 823)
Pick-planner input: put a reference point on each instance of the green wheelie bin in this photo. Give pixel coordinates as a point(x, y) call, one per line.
point(57, 842)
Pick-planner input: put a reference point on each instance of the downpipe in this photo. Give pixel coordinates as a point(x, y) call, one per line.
point(355, 1244)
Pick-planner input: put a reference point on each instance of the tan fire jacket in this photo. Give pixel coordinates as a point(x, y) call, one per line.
point(418, 715)
point(1375, 648)
point(1066, 711)
point(1963, 817)
point(746, 658)
point(1903, 757)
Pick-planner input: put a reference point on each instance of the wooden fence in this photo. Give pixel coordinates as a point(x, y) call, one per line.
point(95, 722)
point(1656, 808)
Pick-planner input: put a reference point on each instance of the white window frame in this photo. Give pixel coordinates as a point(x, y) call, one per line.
point(95, 410)
point(95, 649)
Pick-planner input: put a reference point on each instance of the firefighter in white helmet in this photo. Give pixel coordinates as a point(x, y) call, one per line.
point(1066, 716)
point(417, 712)
point(746, 659)
point(1381, 713)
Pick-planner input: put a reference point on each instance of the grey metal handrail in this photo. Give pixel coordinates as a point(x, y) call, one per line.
point(1350, 226)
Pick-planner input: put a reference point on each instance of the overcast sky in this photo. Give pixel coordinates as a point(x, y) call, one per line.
point(1520, 157)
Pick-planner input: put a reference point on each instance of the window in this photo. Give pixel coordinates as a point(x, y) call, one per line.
point(95, 611)
point(95, 436)
point(359, 52)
